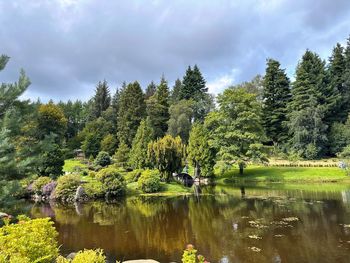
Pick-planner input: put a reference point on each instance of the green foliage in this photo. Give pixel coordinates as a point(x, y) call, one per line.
point(166, 154)
point(175, 93)
point(339, 136)
point(190, 255)
point(276, 96)
point(39, 183)
point(133, 176)
point(180, 121)
point(131, 111)
point(51, 159)
point(102, 99)
point(94, 189)
point(67, 186)
point(109, 144)
point(149, 181)
point(113, 182)
point(200, 153)
point(51, 119)
point(85, 256)
point(150, 90)
point(235, 130)
point(138, 153)
point(103, 159)
point(121, 156)
point(29, 241)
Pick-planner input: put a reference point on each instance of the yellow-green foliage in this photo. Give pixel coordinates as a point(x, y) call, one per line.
point(133, 176)
point(189, 256)
point(39, 183)
point(86, 256)
point(67, 186)
point(28, 241)
point(149, 181)
point(94, 189)
point(113, 183)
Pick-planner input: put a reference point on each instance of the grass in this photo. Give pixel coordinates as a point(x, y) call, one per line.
point(167, 189)
point(71, 164)
point(286, 174)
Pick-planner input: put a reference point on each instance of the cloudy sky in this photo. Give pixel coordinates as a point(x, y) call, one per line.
point(67, 46)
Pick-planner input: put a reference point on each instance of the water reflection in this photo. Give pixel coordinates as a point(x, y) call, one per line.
point(243, 225)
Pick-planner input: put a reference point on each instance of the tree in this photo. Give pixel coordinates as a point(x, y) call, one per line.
point(175, 93)
point(91, 145)
point(339, 136)
point(103, 159)
point(200, 153)
point(109, 144)
point(255, 86)
point(180, 121)
point(276, 97)
point(236, 128)
point(121, 156)
point(150, 90)
point(166, 154)
point(308, 131)
point(346, 80)
point(194, 87)
point(8, 168)
point(132, 110)
point(138, 153)
point(102, 99)
point(51, 119)
point(158, 109)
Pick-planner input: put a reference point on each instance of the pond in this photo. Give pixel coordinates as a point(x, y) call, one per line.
point(226, 224)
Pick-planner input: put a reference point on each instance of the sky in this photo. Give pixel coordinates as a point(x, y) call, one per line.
point(67, 46)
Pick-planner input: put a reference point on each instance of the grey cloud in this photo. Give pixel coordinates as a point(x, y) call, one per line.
point(67, 46)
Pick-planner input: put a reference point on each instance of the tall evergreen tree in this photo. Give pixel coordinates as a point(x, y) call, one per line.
point(138, 153)
point(132, 109)
point(102, 99)
point(150, 90)
point(175, 93)
point(276, 96)
point(336, 111)
point(346, 80)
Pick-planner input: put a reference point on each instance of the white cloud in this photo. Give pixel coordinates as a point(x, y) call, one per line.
point(219, 84)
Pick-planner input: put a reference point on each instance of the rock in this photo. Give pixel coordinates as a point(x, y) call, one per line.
point(3, 215)
point(71, 255)
point(80, 194)
point(141, 261)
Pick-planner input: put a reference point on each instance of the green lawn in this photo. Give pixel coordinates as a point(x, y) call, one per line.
point(287, 174)
point(70, 164)
point(172, 188)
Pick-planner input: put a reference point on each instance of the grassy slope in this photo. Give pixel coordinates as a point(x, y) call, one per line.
point(288, 174)
point(172, 188)
point(71, 163)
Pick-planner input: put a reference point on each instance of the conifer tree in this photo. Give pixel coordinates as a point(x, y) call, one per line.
point(150, 90)
point(175, 93)
point(132, 109)
point(346, 80)
point(102, 99)
point(138, 152)
point(276, 96)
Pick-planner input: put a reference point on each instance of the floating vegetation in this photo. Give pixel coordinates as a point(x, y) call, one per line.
point(290, 219)
point(255, 237)
point(244, 217)
point(255, 249)
point(346, 225)
point(256, 224)
point(278, 236)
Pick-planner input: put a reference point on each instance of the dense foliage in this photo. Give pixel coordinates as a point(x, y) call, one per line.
point(66, 187)
point(113, 183)
point(149, 181)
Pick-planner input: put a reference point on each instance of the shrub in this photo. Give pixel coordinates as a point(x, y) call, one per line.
point(85, 256)
point(39, 183)
point(149, 181)
point(67, 186)
point(113, 183)
point(103, 159)
point(189, 256)
point(29, 241)
point(94, 189)
point(92, 174)
point(133, 176)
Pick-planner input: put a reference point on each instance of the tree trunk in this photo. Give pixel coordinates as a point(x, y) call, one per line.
point(241, 167)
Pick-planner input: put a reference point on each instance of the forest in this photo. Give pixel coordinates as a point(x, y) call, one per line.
point(168, 128)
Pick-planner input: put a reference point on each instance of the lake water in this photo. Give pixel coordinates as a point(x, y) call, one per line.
point(226, 224)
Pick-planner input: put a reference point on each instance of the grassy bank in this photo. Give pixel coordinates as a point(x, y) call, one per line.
point(286, 175)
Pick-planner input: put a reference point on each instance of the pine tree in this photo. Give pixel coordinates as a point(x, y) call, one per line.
point(150, 90)
point(102, 99)
point(138, 152)
point(337, 105)
point(276, 97)
point(121, 156)
point(132, 109)
point(175, 93)
point(346, 80)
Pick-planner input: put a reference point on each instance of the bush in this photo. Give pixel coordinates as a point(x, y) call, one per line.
point(29, 241)
point(133, 176)
point(94, 189)
point(149, 181)
point(112, 182)
point(189, 256)
point(67, 186)
point(85, 256)
point(39, 183)
point(103, 159)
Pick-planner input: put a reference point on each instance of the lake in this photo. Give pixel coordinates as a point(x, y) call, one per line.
point(276, 223)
